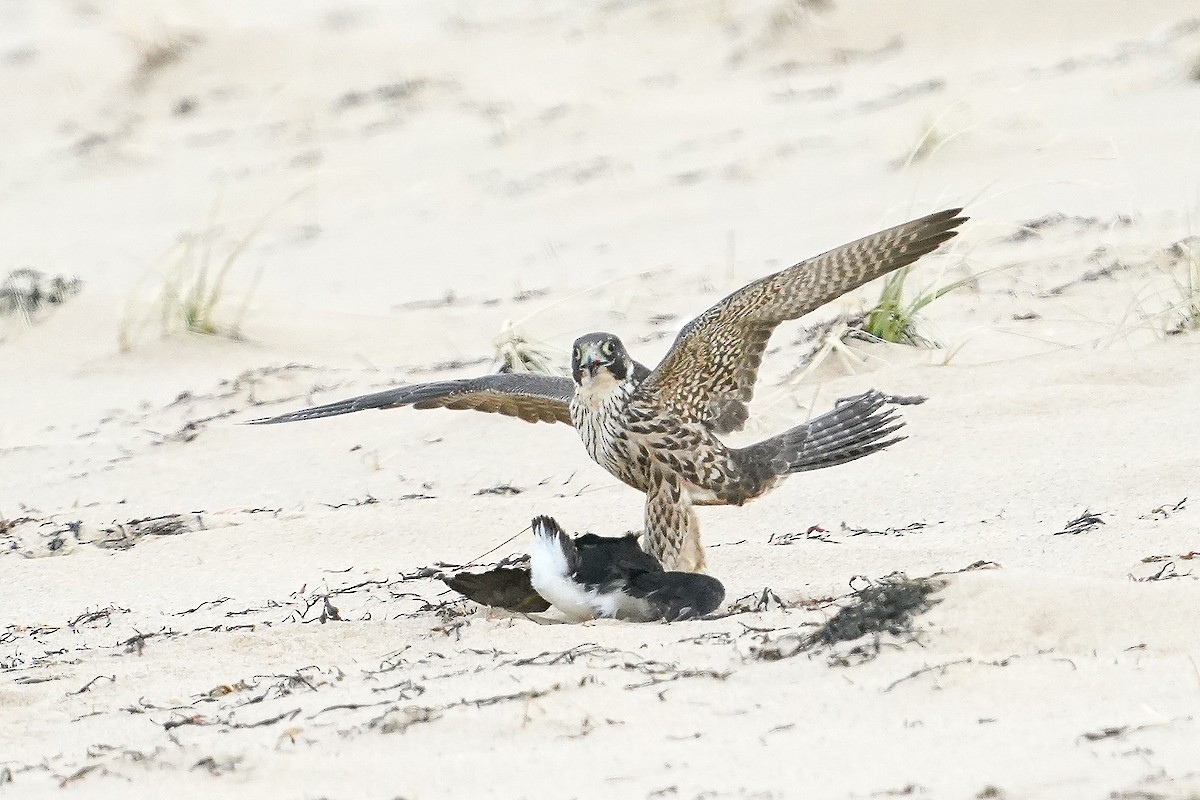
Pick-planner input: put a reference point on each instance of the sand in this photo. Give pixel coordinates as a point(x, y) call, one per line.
point(392, 186)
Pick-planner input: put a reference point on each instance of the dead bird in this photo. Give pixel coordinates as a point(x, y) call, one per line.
point(589, 577)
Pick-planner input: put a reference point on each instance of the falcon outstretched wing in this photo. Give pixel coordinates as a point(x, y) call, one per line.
point(533, 398)
point(708, 375)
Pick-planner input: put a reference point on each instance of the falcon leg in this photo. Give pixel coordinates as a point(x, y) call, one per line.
point(672, 530)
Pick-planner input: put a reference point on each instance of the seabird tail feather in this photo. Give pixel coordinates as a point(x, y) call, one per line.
point(553, 561)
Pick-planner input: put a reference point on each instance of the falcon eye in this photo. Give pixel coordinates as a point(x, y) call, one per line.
point(577, 355)
point(606, 348)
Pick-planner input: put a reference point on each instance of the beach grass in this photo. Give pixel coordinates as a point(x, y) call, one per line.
point(513, 351)
point(192, 293)
point(894, 319)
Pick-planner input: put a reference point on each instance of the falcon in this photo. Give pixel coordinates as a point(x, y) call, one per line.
point(659, 430)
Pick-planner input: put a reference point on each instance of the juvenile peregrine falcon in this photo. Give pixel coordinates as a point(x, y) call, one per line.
point(658, 430)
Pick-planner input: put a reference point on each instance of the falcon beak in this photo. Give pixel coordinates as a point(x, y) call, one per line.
point(591, 361)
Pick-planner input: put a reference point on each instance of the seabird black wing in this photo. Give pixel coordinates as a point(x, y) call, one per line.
point(677, 595)
point(503, 587)
point(603, 558)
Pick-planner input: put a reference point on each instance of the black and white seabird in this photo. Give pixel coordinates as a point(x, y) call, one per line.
point(591, 577)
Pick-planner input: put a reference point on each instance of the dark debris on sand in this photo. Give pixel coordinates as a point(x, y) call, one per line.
point(1082, 524)
point(886, 606)
point(501, 490)
point(25, 292)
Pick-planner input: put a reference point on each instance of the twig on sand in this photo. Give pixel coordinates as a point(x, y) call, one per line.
point(941, 668)
point(1188, 556)
point(137, 644)
point(886, 606)
point(369, 500)
point(348, 707)
point(473, 561)
point(658, 671)
point(528, 694)
point(211, 603)
point(912, 527)
point(1119, 731)
point(550, 657)
point(718, 674)
point(179, 722)
point(501, 489)
point(398, 720)
point(287, 715)
point(79, 773)
point(88, 686)
point(756, 603)
point(203, 721)
point(1165, 510)
point(1165, 573)
point(1082, 524)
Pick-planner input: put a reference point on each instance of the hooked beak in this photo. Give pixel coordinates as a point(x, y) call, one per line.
point(592, 365)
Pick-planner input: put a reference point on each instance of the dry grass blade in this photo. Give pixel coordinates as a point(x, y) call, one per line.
point(1187, 253)
point(193, 284)
point(516, 353)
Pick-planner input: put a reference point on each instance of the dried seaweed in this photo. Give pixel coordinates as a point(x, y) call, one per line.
point(884, 607)
point(1082, 524)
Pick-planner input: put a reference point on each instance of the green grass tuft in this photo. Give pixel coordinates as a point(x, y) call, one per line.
point(893, 319)
point(190, 298)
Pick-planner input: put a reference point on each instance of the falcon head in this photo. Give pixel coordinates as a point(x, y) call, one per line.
point(597, 354)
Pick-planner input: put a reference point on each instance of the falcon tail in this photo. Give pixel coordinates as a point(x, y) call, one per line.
point(856, 427)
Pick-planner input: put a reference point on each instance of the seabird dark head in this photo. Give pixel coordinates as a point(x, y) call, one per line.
point(597, 352)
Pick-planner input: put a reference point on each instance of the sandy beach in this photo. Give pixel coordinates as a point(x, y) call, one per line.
point(200, 608)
